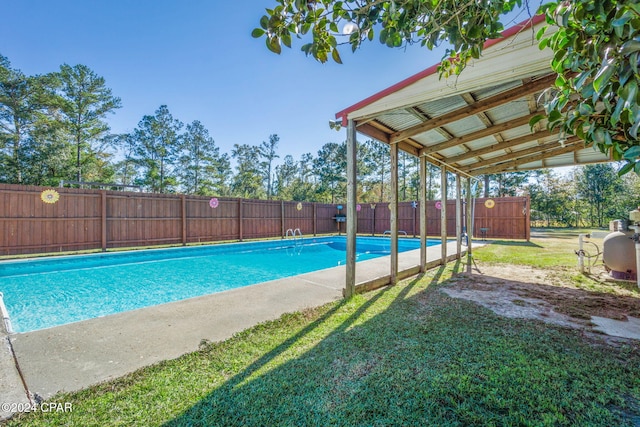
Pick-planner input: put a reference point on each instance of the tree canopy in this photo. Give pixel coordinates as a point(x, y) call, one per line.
point(38, 147)
point(596, 57)
point(84, 101)
point(596, 50)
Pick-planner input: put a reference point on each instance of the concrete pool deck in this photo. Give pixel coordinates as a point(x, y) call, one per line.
point(74, 356)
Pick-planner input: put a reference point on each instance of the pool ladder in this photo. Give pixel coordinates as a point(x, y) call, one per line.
point(297, 241)
point(293, 233)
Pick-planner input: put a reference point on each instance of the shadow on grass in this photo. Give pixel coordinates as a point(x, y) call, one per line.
point(268, 357)
point(457, 267)
point(233, 394)
point(561, 233)
point(515, 243)
point(421, 358)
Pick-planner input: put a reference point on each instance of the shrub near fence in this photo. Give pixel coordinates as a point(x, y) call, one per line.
point(99, 219)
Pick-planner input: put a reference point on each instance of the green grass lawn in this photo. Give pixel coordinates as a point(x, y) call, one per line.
point(550, 248)
point(406, 355)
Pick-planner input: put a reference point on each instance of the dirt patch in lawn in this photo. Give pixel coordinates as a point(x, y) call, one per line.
point(527, 292)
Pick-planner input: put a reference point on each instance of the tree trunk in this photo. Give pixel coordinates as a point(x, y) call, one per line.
point(269, 181)
point(382, 183)
point(486, 185)
point(195, 177)
point(161, 175)
point(16, 152)
point(78, 173)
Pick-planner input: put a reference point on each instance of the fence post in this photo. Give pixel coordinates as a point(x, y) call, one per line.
point(240, 220)
point(373, 220)
point(315, 218)
point(183, 203)
point(527, 218)
point(103, 219)
point(415, 217)
point(282, 218)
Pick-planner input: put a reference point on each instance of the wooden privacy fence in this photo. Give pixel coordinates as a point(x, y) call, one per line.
point(508, 218)
point(100, 219)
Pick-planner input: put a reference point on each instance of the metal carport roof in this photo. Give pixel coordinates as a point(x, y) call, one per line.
point(476, 123)
point(473, 124)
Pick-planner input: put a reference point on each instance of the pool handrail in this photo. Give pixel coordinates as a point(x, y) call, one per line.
point(388, 233)
point(293, 233)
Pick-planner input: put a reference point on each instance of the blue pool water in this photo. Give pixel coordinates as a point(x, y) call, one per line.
point(41, 293)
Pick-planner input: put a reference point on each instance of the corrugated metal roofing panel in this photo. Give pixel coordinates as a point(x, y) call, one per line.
point(467, 162)
point(499, 153)
point(489, 92)
point(453, 151)
point(528, 166)
point(590, 155)
point(561, 160)
point(430, 138)
point(481, 142)
point(505, 112)
point(517, 58)
point(584, 156)
point(516, 132)
point(399, 120)
point(442, 106)
point(465, 126)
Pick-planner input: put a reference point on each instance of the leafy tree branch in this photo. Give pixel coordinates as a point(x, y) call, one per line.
point(596, 45)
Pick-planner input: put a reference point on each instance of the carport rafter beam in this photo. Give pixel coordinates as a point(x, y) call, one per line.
point(382, 135)
point(504, 167)
point(493, 130)
point(517, 154)
point(500, 146)
point(424, 117)
point(545, 160)
point(478, 107)
point(407, 148)
point(437, 162)
point(374, 132)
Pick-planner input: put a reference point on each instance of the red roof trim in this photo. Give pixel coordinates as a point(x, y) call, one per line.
point(432, 70)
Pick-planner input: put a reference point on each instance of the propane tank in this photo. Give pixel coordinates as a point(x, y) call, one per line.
point(621, 251)
point(634, 217)
point(618, 255)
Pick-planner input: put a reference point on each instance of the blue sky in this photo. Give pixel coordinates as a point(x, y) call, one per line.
point(198, 58)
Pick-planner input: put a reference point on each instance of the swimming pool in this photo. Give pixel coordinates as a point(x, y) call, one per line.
point(41, 293)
